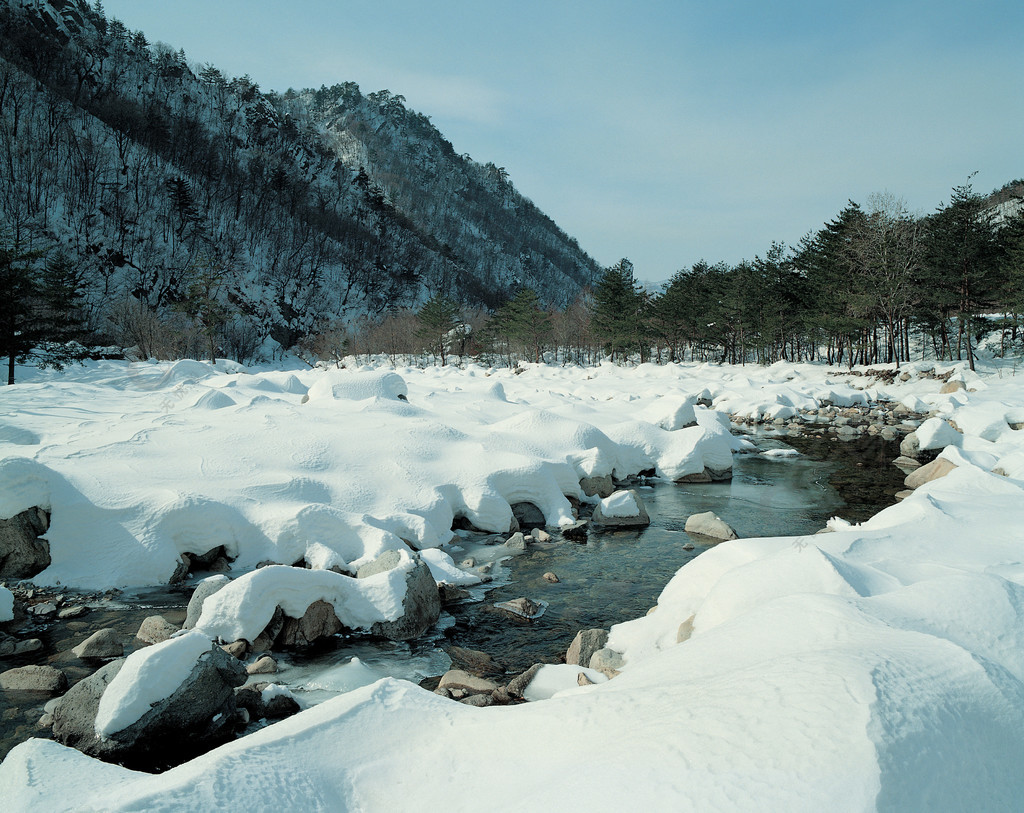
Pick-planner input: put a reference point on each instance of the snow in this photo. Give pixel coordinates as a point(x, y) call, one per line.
point(620, 504)
point(244, 607)
point(552, 679)
point(148, 676)
point(6, 605)
point(877, 667)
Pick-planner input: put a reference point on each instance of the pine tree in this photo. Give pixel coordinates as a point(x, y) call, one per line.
point(619, 311)
point(38, 312)
point(438, 318)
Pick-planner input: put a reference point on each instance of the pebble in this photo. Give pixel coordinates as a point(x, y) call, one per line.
point(551, 577)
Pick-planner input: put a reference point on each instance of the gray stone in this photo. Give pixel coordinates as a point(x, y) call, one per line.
point(516, 543)
point(72, 612)
point(28, 645)
point(459, 679)
point(265, 640)
point(474, 661)
point(888, 433)
point(23, 554)
point(104, 643)
point(528, 515)
point(280, 705)
point(641, 520)
point(155, 629)
point(45, 608)
point(606, 659)
point(541, 535)
point(421, 607)
point(199, 714)
point(319, 621)
point(951, 387)
point(237, 649)
point(600, 486)
point(551, 577)
point(583, 680)
point(577, 532)
point(388, 560)
point(928, 472)
point(709, 525)
point(696, 477)
point(902, 495)
point(908, 464)
point(910, 446)
point(685, 630)
point(205, 589)
point(262, 666)
point(478, 700)
point(35, 678)
point(523, 607)
point(517, 686)
point(584, 645)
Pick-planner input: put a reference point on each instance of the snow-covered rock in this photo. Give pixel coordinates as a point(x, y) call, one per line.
point(623, 509)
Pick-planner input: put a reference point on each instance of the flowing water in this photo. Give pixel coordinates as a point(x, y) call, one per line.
point(613, 577)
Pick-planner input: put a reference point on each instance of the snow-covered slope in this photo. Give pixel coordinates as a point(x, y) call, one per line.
point(876, 667)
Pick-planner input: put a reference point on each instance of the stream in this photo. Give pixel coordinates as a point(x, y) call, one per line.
point(615, 576)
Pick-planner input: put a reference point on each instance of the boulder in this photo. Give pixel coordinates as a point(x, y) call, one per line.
point(939, 467)
point(388, 560)
point(72, 612)
point(908, 464)
point(104, 643)
point(696, 477)
point(458, 679)
point(23, 554)
point(421, 607)
point(910, 446)
point(623, 509)
point(952, 386)
point(155, 629)
point(584, 645)
point(523, 608)
point(600, 486)
point(577, 532)
point(517, 686)
point(528, 515)
point(516, 542)
point(606, 659)
point(474, 661)
point(36, 678)
point(541, 535)
point(319, 621)
point(262, 666)
point(198, 715)
point(551, 578)
point(205, 589)
point(709, 525)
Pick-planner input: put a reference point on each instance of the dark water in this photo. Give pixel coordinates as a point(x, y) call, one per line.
point(612, 578)
point(618, 576)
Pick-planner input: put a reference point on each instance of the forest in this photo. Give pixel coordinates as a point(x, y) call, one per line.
point(876, 284)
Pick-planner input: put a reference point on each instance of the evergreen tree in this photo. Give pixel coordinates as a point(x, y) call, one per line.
point(38, 312)
point(438, 319)
point(618, 319)
point(961, 262)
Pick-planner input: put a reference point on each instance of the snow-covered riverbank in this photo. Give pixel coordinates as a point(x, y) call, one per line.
point(878, 666)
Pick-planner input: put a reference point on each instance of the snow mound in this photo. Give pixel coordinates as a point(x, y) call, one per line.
point(147, 677)
point(244, 607)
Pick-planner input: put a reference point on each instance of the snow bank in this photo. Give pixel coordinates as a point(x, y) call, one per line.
point(243, 608)
point(147, 677)
point(878, 667)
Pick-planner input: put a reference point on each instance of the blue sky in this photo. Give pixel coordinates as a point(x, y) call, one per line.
point(665, 132)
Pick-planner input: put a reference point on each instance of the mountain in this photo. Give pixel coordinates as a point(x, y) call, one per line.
point(289, 209)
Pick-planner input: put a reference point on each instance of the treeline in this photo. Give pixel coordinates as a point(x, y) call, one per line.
point(875, 284)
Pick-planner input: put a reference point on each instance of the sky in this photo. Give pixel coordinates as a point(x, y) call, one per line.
point(665, 132)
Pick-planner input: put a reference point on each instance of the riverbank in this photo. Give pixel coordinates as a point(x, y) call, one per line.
point(874, 667)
